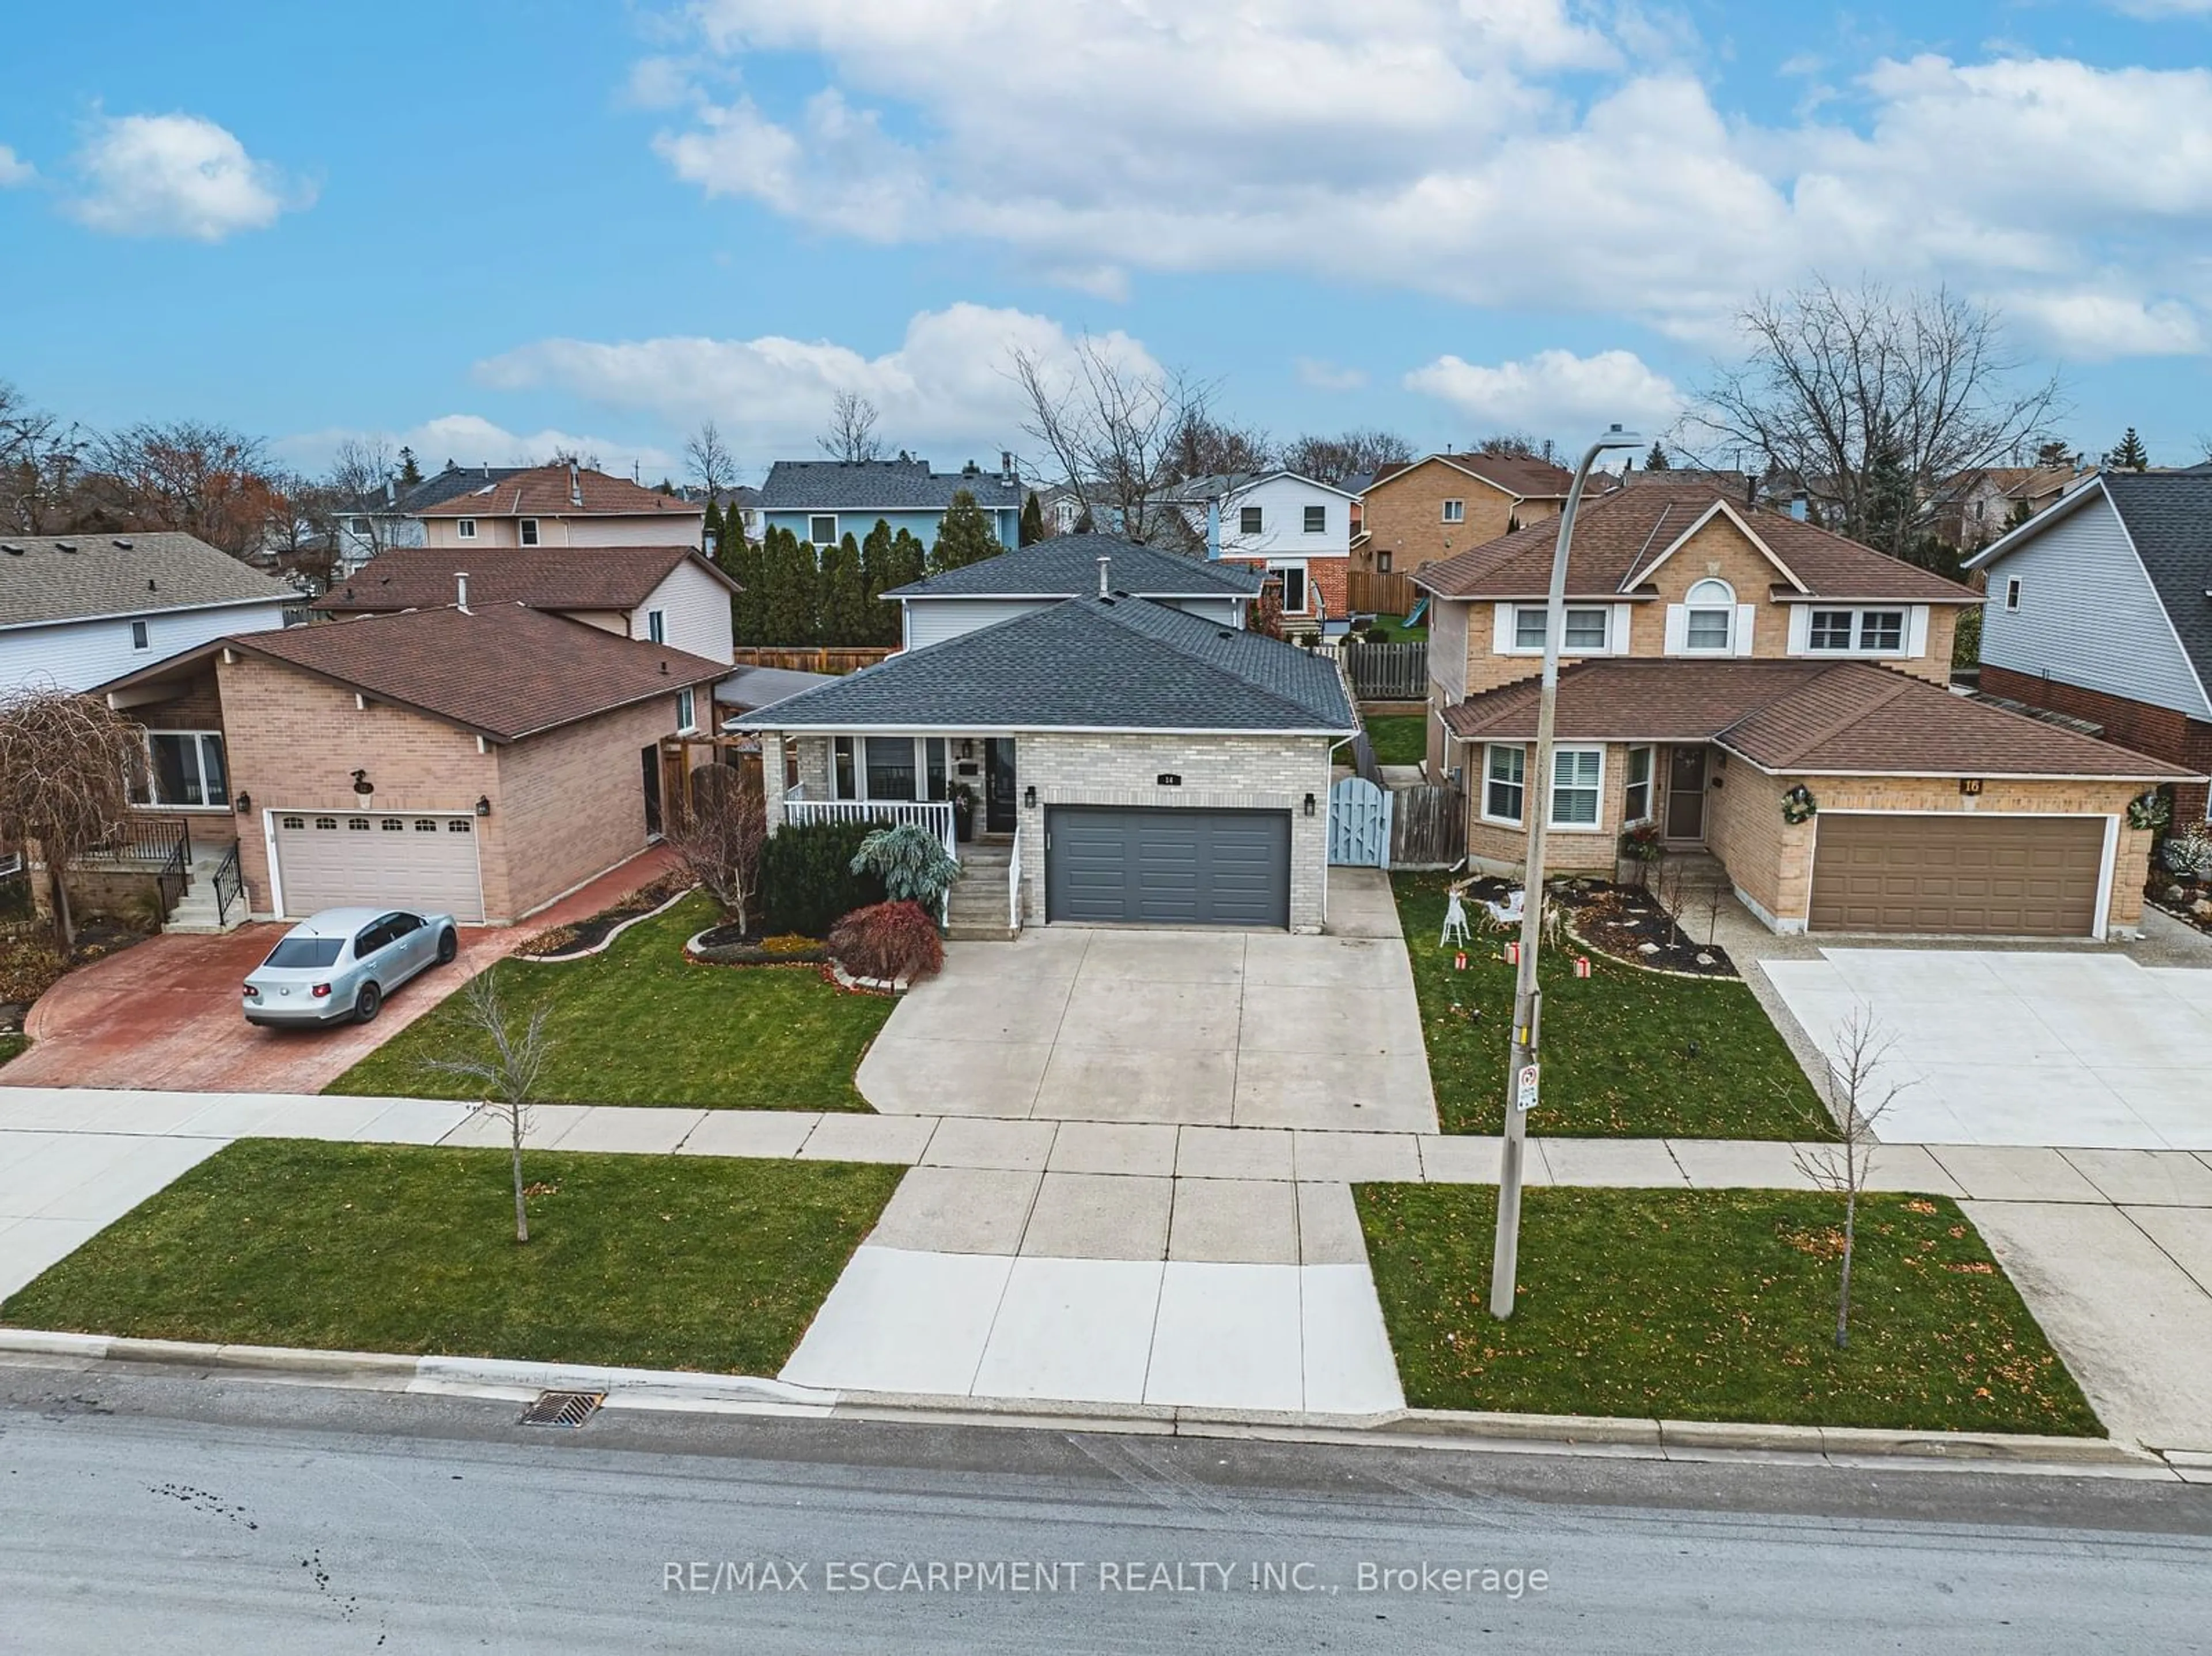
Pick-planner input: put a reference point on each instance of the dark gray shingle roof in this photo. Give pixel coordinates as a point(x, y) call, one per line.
point(1090, 664)
point(52, 578)
point(2169, 517)
point(431, 491)
point(1067, 567)
point(903, 485)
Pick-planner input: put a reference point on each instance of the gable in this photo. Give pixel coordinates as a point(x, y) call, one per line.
point(2088, 614)
point(1440, 477)
point(1717, 527)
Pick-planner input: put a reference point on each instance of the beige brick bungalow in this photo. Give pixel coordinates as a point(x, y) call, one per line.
point(478, 761)
point(1775, 695)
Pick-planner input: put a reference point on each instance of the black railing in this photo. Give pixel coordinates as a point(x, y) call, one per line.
point(154, 841)
point(229, 886)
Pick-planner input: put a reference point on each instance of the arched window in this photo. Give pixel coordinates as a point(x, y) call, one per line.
point(1712, 616)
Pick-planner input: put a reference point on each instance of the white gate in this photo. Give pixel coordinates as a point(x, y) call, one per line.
point(1360, 824)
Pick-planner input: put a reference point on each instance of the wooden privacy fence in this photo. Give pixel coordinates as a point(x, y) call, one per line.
point(810, 657)
point(1388, 672)
point(1369, 592)
point(1428, 826)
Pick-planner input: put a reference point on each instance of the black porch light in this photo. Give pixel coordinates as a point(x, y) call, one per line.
point(1310, 804)
point(245, 803)
point(483, 805)
point(1029, 797)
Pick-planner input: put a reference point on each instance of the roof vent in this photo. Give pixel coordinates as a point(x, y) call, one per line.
point(123, 546)
point(150, 587)
point(1105, 559)
point(12, 551)
point(575, 486)
point(1224, 633)
point(461, 582)
point(64, 546)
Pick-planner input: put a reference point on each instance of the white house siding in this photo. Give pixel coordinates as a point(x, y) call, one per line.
point(1226, 612)
point(697, 608)
point(75, 655)
point(1220, 773)
point(933, 620)
point(626, 528)
point(1282, 502)
point(2088, 616)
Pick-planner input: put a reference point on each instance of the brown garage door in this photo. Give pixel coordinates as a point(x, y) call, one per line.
point(2017, 876)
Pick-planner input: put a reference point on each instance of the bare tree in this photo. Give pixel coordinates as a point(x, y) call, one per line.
point(1360, 451)
point(718, 837)
point(1668, 888)
point(65, 764)
point(363, 488)
point(1869, 402)
point(1518, 445)
point(712, 465)
point(1206, 446)
point(851, 433)
point(1859, 1095)
point(1111, 429)
point(41, 466)
point(203, 479)
point(508, 1074)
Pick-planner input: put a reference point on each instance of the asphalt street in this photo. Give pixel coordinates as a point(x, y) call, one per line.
point(155, 1512)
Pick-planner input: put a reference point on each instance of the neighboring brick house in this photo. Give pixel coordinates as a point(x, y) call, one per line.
point(1294, 530)
point(661, 594)
point(561, 506)
point(1126, 761)
point(482, 762)
point(1775, 695)
point(2100, 609)
point(1444, 504)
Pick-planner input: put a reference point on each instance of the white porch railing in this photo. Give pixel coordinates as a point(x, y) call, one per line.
point(1014, 886)
point(936, 815)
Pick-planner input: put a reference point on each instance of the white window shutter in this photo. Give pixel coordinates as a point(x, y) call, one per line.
point(1916, 630)
point(1678, 628)
point(1746, 614)
point(1618, 631)
point(1501, 632)
point(1800, 629)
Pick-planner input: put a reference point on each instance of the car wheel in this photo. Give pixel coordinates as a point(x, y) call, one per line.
point(449, 944)
point(366, 1003)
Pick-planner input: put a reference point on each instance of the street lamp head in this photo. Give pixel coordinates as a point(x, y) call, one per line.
point(1615, 437)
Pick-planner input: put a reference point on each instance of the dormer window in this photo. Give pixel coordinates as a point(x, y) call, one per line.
point(530, 531)
point(1710, 626)
point(465, 528)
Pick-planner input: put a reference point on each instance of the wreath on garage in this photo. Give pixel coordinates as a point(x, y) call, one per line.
point(1798, 805)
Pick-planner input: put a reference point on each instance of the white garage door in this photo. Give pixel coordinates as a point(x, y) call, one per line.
point(379, 859)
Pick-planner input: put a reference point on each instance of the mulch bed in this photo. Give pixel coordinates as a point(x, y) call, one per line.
point(575, 939)
point(2179, 898)
point(1627, 924)
point(730, 945)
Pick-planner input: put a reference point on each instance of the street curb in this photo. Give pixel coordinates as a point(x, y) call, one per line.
point(646, 1389)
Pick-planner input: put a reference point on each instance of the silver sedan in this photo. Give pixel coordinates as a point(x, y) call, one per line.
point(340, 965)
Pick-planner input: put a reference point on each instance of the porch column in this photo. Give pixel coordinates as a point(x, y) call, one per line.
point(772, 777)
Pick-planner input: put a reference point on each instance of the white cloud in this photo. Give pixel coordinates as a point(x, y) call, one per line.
point(469, 439)
point(1499, 152)
point(2099, 326)
point(1328, 376)
point(178, 175)
point(13, 169)
point(947, 381)
point(1554, 392)
point(2158, 8)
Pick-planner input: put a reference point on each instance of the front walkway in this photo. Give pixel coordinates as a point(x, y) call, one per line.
point(1198, 1028)
point(165, 1012)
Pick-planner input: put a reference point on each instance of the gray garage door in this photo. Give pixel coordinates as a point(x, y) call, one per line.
point(1167, 867)
point(378, 859)
point(2018, 876)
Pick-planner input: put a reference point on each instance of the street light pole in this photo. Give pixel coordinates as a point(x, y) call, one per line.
point(1536, 807)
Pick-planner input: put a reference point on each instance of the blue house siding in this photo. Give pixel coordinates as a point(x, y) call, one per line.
point(922, 525)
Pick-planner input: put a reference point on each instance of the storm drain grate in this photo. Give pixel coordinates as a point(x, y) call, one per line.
point(563, 1408)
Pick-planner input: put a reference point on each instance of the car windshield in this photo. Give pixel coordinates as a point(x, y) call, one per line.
point(308, 952)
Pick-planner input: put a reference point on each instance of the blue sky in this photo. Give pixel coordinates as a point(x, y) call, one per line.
point(490, 228)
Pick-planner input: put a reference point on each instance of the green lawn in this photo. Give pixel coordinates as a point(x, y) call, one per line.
point(1392, 629)
point(1399, 738)
point(1627, 1054)
point(642, 1025)
point(657, 1261)
point(1712, 1305)
point(11, 1046)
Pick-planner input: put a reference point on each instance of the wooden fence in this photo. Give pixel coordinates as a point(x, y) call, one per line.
point(1370, 592)
point(1386, 672)
point(810, 657)
point(1428, 826)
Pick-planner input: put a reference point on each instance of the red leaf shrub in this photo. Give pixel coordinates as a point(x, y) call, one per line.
point(888, 941)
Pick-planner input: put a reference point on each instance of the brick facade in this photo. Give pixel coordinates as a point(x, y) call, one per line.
point(1325, 575)
point(1403, 516)
point(564, 806)
point(2163, 732)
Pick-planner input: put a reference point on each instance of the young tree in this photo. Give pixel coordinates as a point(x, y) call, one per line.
point(65, 764)
point(880, 572)
point(851, 436)
point(964, 536)
point(1111, 427)
point(712, 465)
point(514, 1058)
point(910, 563)
point(793, 604)
point(844, 603)
point(1032, 520)
point(1266, 614)
point(717, 838)
point(1657, 460)
point(1842, 393)
point(1859, 1095)
point(2130, 454)
point(410, 474)
point(2054, 451)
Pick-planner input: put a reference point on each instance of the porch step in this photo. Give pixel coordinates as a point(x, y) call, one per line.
point(979, 931)
point(195, 912)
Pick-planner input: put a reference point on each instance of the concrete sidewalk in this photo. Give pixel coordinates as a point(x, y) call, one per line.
point(1145, 1263)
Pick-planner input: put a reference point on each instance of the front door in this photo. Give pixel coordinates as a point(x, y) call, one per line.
point(1686, 794)
point(999, 802)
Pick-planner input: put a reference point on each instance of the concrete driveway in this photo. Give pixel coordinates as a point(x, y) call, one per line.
point(164, 1013)
point(1219, 1028)
point(2023, 1046)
